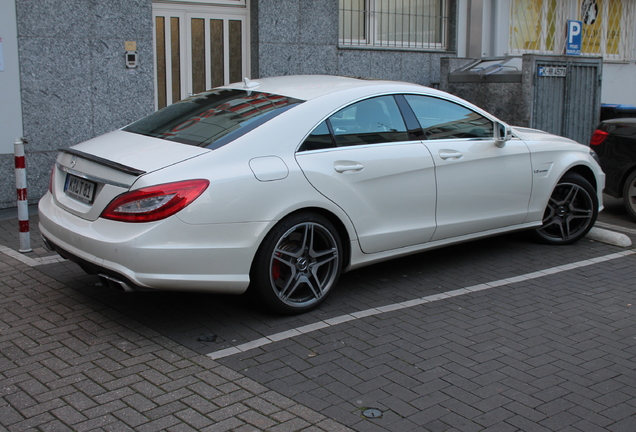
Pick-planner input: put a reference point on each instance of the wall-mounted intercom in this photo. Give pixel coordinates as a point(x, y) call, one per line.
point(132, 61)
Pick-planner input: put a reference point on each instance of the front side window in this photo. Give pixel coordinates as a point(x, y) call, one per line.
point(213, 119)
point(442, 119)
point(413, 24)
point(371, 121)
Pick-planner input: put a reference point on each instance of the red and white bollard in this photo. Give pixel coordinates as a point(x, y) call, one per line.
point(21, 186)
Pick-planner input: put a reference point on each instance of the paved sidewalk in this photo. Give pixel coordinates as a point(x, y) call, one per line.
point(69, 363)
point(513, 336)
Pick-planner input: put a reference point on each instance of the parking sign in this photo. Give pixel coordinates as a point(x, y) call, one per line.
point(574, 37)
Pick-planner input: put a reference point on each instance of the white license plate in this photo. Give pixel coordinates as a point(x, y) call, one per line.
point(80, 189)
point(550, 71)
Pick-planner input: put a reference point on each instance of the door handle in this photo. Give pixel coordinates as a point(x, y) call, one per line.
point(344, 167)
point(450, 154)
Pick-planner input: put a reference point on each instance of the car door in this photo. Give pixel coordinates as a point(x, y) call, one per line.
point(361, 159)
point(480, 186)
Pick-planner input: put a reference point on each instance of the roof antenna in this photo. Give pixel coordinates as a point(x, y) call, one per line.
point(249, 84)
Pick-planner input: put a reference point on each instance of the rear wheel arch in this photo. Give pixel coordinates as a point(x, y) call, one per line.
point(345, 238)
point(341, 228)
point(299, 261)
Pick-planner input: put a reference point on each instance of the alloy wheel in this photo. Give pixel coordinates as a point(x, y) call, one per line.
point(629, 195)
point(304, 265)
point(569, 215)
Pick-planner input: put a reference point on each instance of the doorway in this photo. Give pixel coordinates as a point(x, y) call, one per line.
point(197, 47)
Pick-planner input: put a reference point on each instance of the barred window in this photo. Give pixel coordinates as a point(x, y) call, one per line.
point(538, 26)
point(395, 24)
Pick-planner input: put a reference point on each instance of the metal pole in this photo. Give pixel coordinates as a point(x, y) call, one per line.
point(21, 187)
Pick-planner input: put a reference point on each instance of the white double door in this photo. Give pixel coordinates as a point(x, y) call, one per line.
point(197, 47)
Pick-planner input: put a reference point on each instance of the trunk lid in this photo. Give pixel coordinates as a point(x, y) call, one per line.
point(87, 176)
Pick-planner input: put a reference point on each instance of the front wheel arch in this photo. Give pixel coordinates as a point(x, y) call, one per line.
point(586, 173)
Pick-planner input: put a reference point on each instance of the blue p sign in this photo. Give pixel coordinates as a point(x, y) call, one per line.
point(573, 45)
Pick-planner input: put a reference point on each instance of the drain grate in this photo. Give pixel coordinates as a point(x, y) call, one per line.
point(207, 338)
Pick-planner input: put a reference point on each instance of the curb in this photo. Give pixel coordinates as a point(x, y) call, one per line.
point(609, 237)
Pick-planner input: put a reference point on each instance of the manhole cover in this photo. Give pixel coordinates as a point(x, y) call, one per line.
point(372, 413)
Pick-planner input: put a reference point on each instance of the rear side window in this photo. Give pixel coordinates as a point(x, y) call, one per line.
point(320, 138)
point(213, 119)
point(624, 129)
point(442, 119)
point(371, 121)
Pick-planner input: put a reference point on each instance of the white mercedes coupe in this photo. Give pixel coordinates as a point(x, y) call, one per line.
point(277, 185)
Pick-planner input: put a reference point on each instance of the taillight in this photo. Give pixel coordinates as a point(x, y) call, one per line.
point(598, 137)
point(51, 179)
point(154, 203)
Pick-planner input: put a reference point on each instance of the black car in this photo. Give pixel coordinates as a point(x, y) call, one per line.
point(615, 143)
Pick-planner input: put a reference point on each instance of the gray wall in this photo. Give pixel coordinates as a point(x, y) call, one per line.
point(509, 101)
point(566, 105)
point(74, 84)
point(301, 37)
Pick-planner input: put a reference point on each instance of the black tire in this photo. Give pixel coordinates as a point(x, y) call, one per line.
point(629, 195)
point(298, 264)
point(571, 211)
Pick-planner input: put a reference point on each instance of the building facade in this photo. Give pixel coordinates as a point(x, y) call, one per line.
point(74, 69)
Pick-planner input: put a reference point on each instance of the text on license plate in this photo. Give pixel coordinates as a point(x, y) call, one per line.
point(80, 189)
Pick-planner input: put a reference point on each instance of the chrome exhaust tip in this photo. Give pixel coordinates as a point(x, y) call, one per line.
point(47, 244)
point(115, 283)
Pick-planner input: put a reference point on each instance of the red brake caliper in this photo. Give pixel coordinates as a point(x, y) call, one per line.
point(276, 269)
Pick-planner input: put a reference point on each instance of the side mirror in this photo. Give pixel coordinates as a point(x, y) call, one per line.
point(503, 133)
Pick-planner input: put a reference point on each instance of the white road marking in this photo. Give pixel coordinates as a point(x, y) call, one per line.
point(266, 340)
point(31, 262)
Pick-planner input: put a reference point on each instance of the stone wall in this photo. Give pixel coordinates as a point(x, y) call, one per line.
point(301, 37)
point(74, 84)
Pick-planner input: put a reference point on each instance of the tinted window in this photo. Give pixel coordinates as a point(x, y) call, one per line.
point(319, 138)
point(624, 128)
point(212, 119)
point(441, 119)
point(371, 121)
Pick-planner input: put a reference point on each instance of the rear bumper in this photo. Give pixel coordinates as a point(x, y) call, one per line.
point(108, 278)
point(163, 255)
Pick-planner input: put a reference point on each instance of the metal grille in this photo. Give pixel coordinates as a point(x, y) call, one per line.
point(568, 105)
point(396, 24)
point(538, 26)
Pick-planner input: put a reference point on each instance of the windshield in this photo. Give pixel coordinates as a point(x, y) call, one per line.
point(213, 119)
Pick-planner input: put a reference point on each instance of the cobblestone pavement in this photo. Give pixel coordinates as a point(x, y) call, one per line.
point(495, 335)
